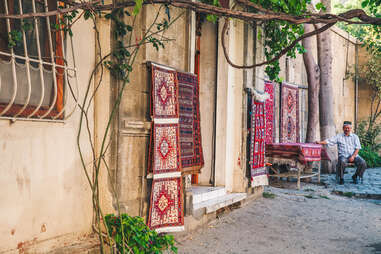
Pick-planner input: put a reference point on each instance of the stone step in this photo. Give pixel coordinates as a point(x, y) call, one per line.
point(212, 205)
point(204, 193)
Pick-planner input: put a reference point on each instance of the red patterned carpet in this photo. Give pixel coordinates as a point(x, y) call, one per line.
point(289, 118)
point(166, 206)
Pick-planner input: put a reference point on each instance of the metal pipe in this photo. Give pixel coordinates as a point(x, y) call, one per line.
point(37, 61)
point(52, 54)
point(40, 61)
point(26, 64)
point(213, 174)
point(14, 119)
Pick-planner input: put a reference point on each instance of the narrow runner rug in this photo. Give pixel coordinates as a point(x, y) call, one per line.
point(257, 145)
point(289, 117)
point(269, 109)
point(190, 131)
point(166, 202)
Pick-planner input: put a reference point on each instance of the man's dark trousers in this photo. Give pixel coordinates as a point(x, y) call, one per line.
point(359, 162)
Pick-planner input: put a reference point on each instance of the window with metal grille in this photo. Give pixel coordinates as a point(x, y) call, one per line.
point(34, 74)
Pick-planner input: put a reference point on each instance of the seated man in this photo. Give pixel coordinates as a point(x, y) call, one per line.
point(348, 146)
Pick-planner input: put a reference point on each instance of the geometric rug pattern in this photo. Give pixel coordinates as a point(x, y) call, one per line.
point(166, 214)
point(166, 202)
point(289, 116)
point(269, 109)
point(258, 171)
point(166, 156)
point(190, 131)
point(164, 92)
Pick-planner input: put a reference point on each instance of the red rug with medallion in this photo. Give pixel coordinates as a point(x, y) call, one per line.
point(289, 117)
point(192, 158)
point(166, 206)
point(166, 213)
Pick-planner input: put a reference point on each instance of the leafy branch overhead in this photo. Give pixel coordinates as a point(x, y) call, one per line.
point(281, 20)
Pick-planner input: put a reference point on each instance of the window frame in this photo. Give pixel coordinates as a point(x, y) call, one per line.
point(55, 45)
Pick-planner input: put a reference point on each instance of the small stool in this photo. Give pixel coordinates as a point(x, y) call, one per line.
point(347, 165)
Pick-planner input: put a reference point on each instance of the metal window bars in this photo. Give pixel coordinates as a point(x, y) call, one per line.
point(36, 87)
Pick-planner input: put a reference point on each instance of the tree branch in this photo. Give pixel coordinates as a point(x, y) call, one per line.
point(310, 18)
point(283, 52)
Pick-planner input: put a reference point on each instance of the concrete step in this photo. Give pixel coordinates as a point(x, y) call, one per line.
point(212, 205)
point(204, 193)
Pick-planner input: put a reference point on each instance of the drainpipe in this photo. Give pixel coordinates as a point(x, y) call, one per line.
point(356, 83)
point(213, 173)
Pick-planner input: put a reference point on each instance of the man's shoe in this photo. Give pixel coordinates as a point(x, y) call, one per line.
point(341, 181)
point(354, 178)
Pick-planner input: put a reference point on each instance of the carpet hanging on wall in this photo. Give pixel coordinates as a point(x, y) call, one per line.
point(190, 131)
point(269, 109)
point(289, 116)
point(166, 203)
point(257, 145)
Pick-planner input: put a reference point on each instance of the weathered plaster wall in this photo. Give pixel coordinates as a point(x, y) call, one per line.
point(208, 85)
point(45, 198)
point(343, 49)
point(364, 91)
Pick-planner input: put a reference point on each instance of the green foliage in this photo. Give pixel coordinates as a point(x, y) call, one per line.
point(320, 6)
point(369, 35)
point(310, 196)
point(368, 135)
point(371, 157)
point(138, 6)
point(132, 234)
point(14, 38)
point(348, 194)
point(268, 195)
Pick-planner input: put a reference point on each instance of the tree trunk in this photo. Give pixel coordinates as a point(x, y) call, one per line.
point(313, 79)
point(327, 125)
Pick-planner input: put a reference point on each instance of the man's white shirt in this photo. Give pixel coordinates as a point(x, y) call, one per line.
point(346, 145)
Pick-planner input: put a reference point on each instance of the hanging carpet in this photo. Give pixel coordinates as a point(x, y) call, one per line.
point(166, 206)
point(269, 109)
point(166, 213)
point(190, 131)
point(257, 145)
point(289, 116)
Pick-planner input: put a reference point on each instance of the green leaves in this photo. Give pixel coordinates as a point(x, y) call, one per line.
point(212, 18)
point(14, 38)
point(133, 232)
point(138, 6)
point(320, 6)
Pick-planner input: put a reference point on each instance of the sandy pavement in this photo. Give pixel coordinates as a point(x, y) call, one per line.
point(308, 221)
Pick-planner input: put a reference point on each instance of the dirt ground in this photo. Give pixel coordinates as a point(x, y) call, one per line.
point(310, 221)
